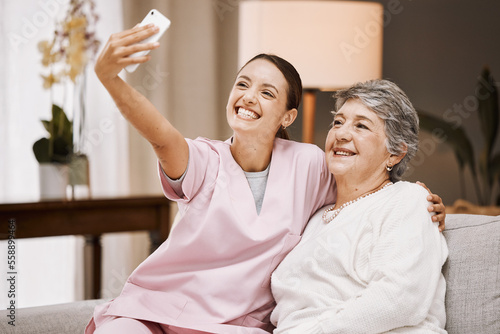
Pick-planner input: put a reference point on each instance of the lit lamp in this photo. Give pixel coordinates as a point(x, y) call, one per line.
point(332, 44)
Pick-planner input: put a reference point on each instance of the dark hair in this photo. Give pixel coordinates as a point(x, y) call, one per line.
point(292, 77)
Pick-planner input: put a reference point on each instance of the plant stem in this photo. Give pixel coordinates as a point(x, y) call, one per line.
point(461, 178)
point(476, 187)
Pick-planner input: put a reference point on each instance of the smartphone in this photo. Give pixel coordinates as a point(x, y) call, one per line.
point(153, 16)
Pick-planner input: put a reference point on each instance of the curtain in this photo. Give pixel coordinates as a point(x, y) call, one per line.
point(188, 79)
point(50, 269)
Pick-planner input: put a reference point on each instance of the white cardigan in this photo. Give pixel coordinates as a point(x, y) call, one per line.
point(375, 268)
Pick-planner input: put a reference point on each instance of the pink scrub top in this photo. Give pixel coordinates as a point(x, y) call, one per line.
point(213, 272)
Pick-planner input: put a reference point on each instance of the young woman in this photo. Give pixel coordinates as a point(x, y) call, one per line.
point(243, 202)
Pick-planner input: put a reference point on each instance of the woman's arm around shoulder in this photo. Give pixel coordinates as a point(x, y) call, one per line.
point(436, 206)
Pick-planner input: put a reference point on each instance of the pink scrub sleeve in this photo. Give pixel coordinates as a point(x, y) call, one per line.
point(202, 171)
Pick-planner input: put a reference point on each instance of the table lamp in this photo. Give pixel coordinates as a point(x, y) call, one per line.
point(332, 44)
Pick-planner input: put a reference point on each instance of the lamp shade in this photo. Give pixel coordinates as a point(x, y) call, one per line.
point(333, 44)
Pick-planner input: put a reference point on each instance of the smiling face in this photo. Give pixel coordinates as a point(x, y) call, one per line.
point(356, 144)
point(258, 99)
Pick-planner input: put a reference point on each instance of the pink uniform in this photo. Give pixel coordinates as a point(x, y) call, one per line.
point(213, 272)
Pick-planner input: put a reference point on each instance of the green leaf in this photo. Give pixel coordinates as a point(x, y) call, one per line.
point(41, 150)
point(495, 173)
point(46, 125)
point(58, 116)
point(495, 167)
point(63, 129)
point(454, 136)
point(59, 146)
point(488, 111)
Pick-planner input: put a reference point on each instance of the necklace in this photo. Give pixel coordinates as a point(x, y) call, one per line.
point(330, 213)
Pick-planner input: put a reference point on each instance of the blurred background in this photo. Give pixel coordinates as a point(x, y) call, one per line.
point(434, 50)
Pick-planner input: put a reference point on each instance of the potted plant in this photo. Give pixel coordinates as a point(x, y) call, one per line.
point(485, 167)
point(53, 153)
point(65, 57)
point(58, 147)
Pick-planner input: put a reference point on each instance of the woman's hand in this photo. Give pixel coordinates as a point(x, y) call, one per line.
point(115, 54)
point(438, 207)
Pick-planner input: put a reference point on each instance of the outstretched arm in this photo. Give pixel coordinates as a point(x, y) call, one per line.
point(168, 143)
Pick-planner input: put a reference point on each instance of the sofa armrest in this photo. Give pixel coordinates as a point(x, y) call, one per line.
point(61, 318)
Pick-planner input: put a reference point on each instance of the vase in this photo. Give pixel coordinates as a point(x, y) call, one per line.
point(79, 165)
point(79, 121)
point(79, 177)
point(53, 181)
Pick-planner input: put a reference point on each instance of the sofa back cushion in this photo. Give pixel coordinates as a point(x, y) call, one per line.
point(472, 274)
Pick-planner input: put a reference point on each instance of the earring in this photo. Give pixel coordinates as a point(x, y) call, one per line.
point(389, 167)
point(284, 127)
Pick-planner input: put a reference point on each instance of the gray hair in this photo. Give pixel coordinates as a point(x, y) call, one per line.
point(392, 105)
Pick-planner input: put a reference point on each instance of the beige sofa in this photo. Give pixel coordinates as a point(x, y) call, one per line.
point(472, 272)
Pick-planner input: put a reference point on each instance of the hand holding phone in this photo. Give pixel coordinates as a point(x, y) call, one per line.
point(158, 19)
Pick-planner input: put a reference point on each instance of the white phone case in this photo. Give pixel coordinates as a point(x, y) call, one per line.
point(159, 20)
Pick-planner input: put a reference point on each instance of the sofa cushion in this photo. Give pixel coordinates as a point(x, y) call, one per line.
point(62, 318)
point(472, 274)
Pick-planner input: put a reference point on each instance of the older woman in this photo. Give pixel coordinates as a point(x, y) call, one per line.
point(371, 262)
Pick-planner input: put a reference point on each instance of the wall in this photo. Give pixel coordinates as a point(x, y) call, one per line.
point(188, 78)
point(435, 50)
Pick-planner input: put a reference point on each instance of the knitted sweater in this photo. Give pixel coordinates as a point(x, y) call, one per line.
point(375, 268)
